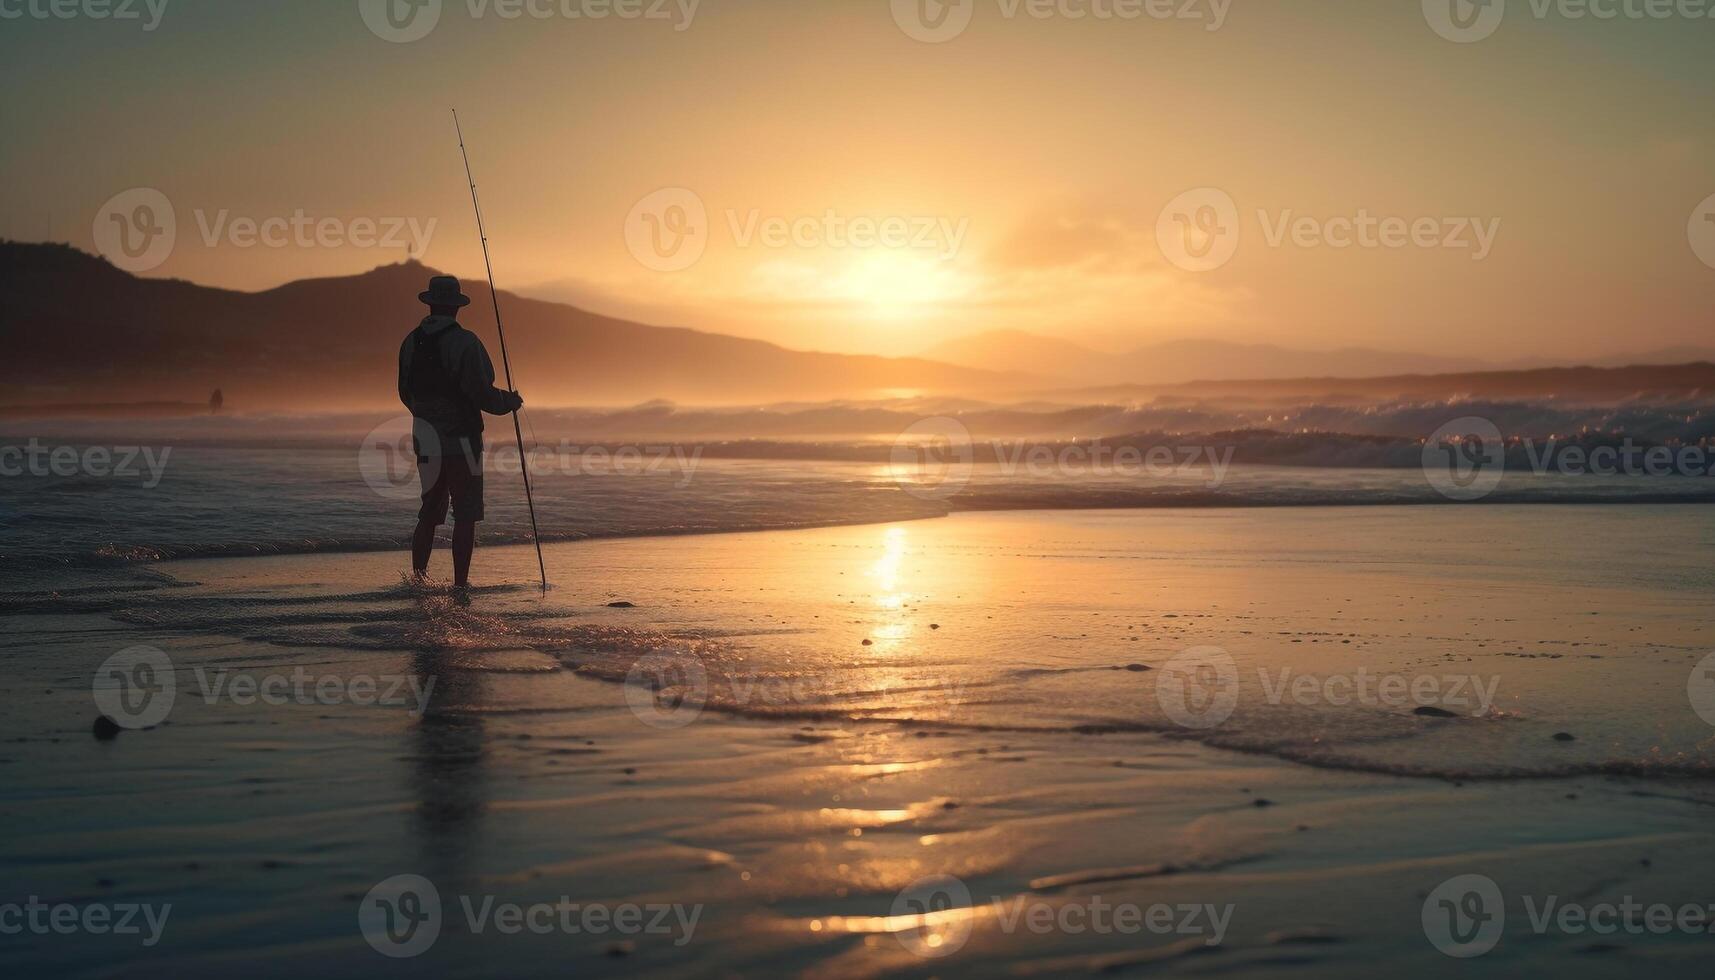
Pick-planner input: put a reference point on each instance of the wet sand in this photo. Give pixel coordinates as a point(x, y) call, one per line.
point(1004, 725)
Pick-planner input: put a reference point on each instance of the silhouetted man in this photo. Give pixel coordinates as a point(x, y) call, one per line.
point(447, 381)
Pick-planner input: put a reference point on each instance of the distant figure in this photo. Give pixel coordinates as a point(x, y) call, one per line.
point(447, 381)
point(215, 401)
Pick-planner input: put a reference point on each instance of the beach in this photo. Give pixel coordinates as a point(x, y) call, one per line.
point(864, 490)
point(1180, 741)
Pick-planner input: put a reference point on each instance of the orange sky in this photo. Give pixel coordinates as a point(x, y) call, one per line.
point(1025, 164)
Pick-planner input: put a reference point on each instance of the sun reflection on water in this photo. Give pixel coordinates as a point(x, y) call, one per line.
point(888, 575)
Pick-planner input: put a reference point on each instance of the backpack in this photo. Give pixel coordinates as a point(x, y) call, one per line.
point(436, 397)
point(429, 379)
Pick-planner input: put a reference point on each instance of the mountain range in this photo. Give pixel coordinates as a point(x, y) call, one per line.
point(88, 334)
point(1176, 362)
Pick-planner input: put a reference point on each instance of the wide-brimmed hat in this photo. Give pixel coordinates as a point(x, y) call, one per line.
point(444, 291)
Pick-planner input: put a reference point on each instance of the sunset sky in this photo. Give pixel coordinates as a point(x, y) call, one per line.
point(1044, 148)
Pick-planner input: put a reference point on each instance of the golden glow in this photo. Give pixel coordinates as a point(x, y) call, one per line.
point(1038, 207)
point(887, 573)
point(934, 924)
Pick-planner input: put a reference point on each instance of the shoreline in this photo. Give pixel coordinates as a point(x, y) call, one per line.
point(561, 538)
point(534, 769)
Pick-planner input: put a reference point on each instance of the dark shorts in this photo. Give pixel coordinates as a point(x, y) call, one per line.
point(456, 479)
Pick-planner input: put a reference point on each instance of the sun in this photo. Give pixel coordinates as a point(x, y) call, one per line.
point(896, 285)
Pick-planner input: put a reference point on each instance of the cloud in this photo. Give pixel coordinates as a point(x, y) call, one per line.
point(1068, 236)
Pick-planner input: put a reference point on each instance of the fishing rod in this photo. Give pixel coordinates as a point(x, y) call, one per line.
point(505, 362)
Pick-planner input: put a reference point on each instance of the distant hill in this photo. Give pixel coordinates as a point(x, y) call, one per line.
point(1183, 361)
point(1693, 382)
point(1178, 361)
point(86, 332)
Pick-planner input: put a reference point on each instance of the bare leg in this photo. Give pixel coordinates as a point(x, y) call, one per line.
point(422, 545)
point(464, 543)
